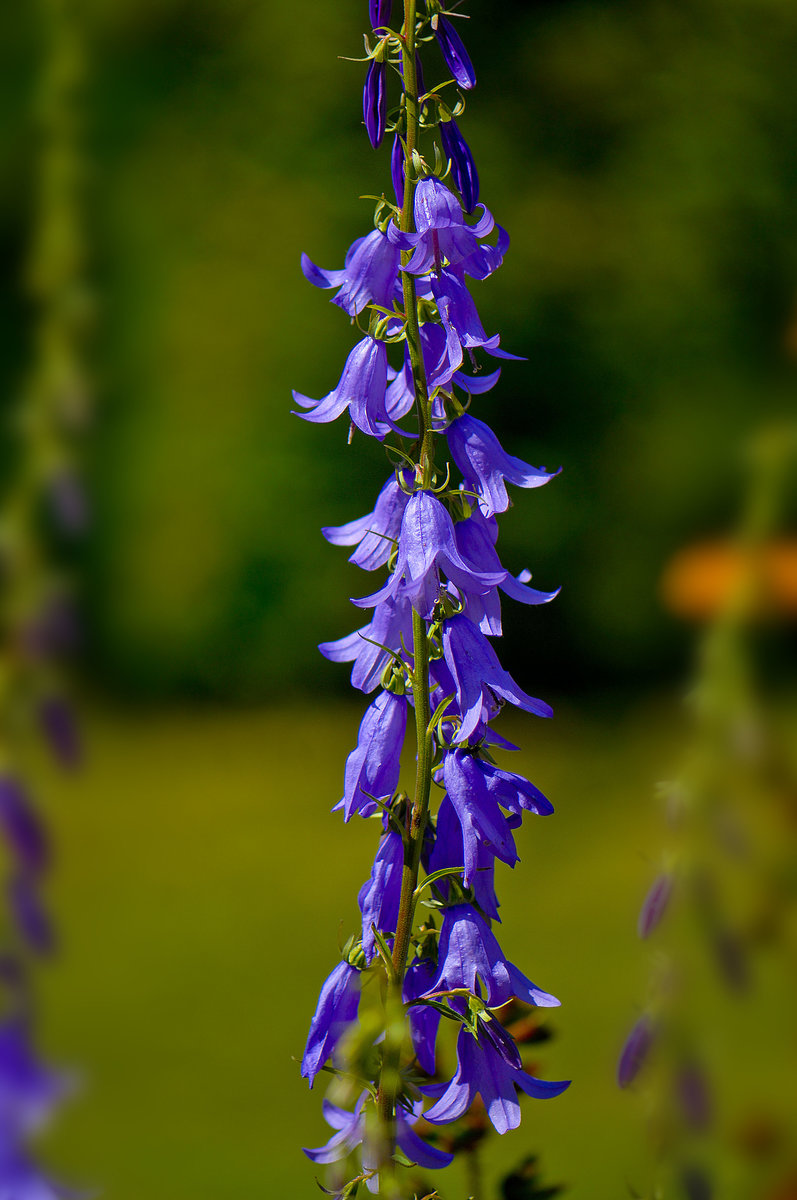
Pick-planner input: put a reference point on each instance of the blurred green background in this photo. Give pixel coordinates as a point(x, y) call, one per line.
point(644, 160)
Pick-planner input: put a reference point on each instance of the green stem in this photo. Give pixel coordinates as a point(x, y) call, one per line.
point(413, 843)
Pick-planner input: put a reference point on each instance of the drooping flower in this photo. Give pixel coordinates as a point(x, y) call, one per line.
point(441, 231)
point(372, 768)
point(464, 330)
point(350, 1131)
point(463, 168)
point(424, 1020)
point(479, 816)
point(368, 275)
point(449, 851)
point(390, 624)
point(487, 1068)
point(456, 56)
point(485, 465)
point(427, 545)
point(469, 950)
point(30, 916)
point(479, 676)
point(361, 389)
point(336, 1009)
point(376, 534)
point(380, 895)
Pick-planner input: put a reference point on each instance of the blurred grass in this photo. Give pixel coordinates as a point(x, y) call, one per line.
point(200, 889)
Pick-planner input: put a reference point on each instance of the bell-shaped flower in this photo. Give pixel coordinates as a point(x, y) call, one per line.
point(366, 647)
point(380, 896)
point(22, 830)
point(361, 389)
point(476, 540)
point(442, 234)
point(489, 1069)
point(375, 101)
point(463, 168)
point(478, 813)
point(467, 951)
point(456, 56)
point(479, 676)
point(397, 170)
point(336, 1009)
point(485, 259)
point(368, 275)
point(350, 1131)
point(423, 1019)
point(372, 768)
point(485, 465)
point(376, 534)
point(427, 545)
point(449, 851)
point(464, 330)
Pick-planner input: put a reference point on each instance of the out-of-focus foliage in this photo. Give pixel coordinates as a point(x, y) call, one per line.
point(643, 157)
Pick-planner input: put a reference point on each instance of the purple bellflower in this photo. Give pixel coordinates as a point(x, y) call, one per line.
point(21, 828)
point(636, 1050)
point(488, 1068)
point(424, 1020)
point(479, 816)
point(375, 535)
point(372, 768)
point(427, 545)
point(479, 676)
point(441, 232)
point(350, 1131)
point(456, 56)
point(336, 1009)
point(390, 624)
point(485, 465)
point(449, 851)
point(368, 275)
point(361, 390)
point(654, 905)
point(379, 896)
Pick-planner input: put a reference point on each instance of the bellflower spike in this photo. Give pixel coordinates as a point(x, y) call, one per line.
point(372, 768)
point(456, 56)
point(485, 465)
point(379, 897)
point(463, 168)
point(427, 545)
point(361, 389)
point(350, 1131)
point(483, 1069)
point(336, 1009)
point(477, 673)
point(441, 231)
point(368, 275)
point(375, 535)
point(375, 101)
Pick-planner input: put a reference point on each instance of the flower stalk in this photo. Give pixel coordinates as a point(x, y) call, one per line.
point(426, 647)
